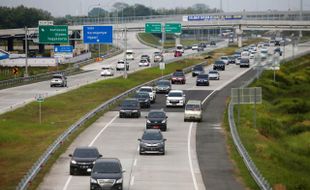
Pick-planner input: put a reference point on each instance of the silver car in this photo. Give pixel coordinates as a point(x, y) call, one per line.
point(59, 80)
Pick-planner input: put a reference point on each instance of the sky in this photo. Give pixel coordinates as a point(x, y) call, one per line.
point(81, 7)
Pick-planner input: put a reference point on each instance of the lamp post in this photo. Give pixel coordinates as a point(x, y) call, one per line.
point(26, 52)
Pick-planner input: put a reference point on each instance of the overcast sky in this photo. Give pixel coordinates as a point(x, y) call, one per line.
point(80, 7)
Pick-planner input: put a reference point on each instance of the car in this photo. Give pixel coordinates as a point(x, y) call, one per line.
point(245, 55)
point(263, 53)
point(197, 69)
point(278, 51)
point(194, 46)
point(202, 79)
point(193, 111)
point(177, 53)
point(178, 77)
point(107, 71)
point(163, 86)
point(231, 60)
point(152, 141)
point(200, 48)
point(180, 48)
point(130, 107)
point(107, 173)
point(244, 62)
point(175, 98)
point(147, 57)
point(225, 59)
point(120, 66)
point(277, 43)
point(202, 44)
point(129, 55)
point(158, 57)
point(144, 99)
point(212, 43)
point(59, 80)
point(82, 159)
point(237, 60)
point(156, 119)
point(144, 63)
point(214, 75)
point(150, 90)
point(219, 65)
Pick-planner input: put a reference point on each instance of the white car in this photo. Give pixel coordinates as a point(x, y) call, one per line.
point(144, 63)
point(193, 111)
point(107, 71)
point(180, 48)
point(194, 46)
point(214, 75)
point(225, 60)
point(264, 53)
point(150, 90)
point(130, 55)
point(175, 98)
point(121, 65)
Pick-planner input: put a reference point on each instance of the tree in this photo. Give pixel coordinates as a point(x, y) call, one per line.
point(97, 12)
point(119, 6)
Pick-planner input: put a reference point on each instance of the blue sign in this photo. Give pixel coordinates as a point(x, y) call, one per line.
point(63, 49)
point(211, 17)
point(97, 34)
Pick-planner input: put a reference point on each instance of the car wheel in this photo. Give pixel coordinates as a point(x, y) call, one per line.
point(71, 172)
point(52, 86)
point(164, 128)
point(140, 152)
point(163, 153)
point(120, 116)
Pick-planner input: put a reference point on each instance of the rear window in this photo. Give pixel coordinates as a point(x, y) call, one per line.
point(130, 103)
point(156, 115)
point(145, 90)
point(178, 74)
point(142, 95)
point(57, 77)
point(152, 136)
point(175, 94)
point(219, 63)
point(85, 153)
point(107, 167)
point(193, 107)
point(163, 83)
point(202, 76)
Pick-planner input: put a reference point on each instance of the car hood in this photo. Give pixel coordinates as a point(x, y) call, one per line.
point(163, 86)
point(156, 119)
point(151, 141)
point(142, 99)
point(129, 108)
point(174, 98)
point(79, 159)
point(106, 175)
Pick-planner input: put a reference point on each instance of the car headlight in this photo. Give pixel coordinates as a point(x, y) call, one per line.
point(146, 100)
point(134, 111)
point(73, 161)
point(122, 110)
point(148, 121)
point(120, 180)
point(92, 180)
point(94, 162)
point(163, 121)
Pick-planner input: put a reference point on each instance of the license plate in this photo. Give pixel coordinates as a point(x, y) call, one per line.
point(156, 127)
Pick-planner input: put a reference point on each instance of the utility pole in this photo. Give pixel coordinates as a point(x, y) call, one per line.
point(125, 46)
point(26, 52)
point(301, 9)
point(163, 36)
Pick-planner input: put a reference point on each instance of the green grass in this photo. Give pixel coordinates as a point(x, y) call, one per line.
point(280, 145)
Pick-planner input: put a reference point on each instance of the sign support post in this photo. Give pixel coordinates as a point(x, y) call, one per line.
point(26, 52)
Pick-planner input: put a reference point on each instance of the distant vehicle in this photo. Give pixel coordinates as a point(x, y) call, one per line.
point(130, 107)
point(237, 54)
point(150, 90)
point(219, 65)
point(121, 65)
point(277, 43)
point(156, 119)
point(264, 53)
point(202, 44)
point(144, 99)
point(272, 43)
point(144, 63)
point(200, 48)
point(202, 79)
point(214, 75)
point(197, 69)
point(152, 141)
point(107, 71)
point(130, 55)
point(231, 60)
point(177, 53)
point(278, 51)
point(237, 60)
point(147, 57)
point(175, 98)
point(212, 43)
point(244, 62)
point(82, 159)
point(245, 55)
point(193, 111)
point(194, 46)
point(180, 48)
point(59, 80)
point(225, 60)
point(158, 57)
point(178, 77)
point(163, 86)
point(107, 173)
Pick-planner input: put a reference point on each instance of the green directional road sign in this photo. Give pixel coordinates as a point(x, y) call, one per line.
point(51, 34)
point(173, 28)
point(153, 27)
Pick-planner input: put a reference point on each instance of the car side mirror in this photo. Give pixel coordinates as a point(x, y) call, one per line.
point(88, 170)
point(166, 116)
point(166, 95)
point(145, 116)
point(70, 155)
point(165, 140)
point(139, 139)
point(184, 95)
point(100, 155)
point(124, 171)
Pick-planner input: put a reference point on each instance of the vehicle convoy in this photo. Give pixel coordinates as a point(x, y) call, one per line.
point(214, 75)
point(144, 99)
point(152, 141)
point(130, 107)
point(219, 65)
point(59, 80)
point(178, 77)
point(163, 86)
point(156, 119)
point(150, 90)
point(107, 173)
point(107, 71)
point(121, 65)
point(244, 62)
point(197, 69)
point(193, 111)
point(129, 55)
point(202, 80)
point(175, 98)
point(82, 159)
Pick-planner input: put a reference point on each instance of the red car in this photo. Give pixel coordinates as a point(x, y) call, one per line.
point(177, 54)
point(178, 77)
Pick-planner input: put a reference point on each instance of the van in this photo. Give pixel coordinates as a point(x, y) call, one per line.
point(180, 48)
point(193, 111)
point(129, 55)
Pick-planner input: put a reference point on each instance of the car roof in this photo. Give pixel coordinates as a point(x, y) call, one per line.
point(146, 87)
point(129, 50)
point(115, 160)
point(194, 102)
point(152, 131)
point(157, 111)
point(130, 99)
point(86, 148)
point(58, 74)
point(181, 91)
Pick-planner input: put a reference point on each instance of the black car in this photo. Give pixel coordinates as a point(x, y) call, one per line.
point(198, 69)
point(144, 99)
point(202, 79)
point(212, 43)
point(231, 60)
point(244, 62)
point(130, 108)
point(202, 44)
point(278, 51)
point(147, 57)
point(219, 65)
point(107, 173)
point(152, 141)
point(156, 119)
point(82, 159)
point(178, 77)
point(200, 48)
point(163, 86)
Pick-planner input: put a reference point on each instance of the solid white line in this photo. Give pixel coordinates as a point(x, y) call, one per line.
point(67, 182)
point(132, 181)
point(104, 128)
point(135, 162)
point(208, 96)
point(190, 156)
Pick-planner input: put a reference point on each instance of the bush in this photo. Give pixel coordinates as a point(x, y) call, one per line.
point(293, 106)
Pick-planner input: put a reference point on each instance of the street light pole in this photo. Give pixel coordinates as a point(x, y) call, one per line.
point(26, 52)
point(301, 9)
point(125, 61)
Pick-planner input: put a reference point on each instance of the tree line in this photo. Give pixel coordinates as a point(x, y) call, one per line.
point(21, 16)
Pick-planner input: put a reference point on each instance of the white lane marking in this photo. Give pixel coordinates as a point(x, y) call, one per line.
point(92, 142)
point(190, 156)
point(135, 162)
point(67, 182)
point(208, 96)
point(132, 181)
point(103, 129)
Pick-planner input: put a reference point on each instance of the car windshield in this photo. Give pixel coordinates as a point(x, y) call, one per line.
point(57, 77)
point(198, 68)
point(107, 167)
point(245, 60)
point(224, 58)
point(142, 95)
point(179, 47)
point(158, 114)
point(194, 107)
point(143, 61)
point(129, 53)
point(178, 74)
point(85, 153)
point(144, 56)
point(175, 94)
point(130, 103)
point(152, 136)
point(219, 63)
point(202, 76)
point(213, 72)
point(264, 51)
point(163, 83)
point(145, 90)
